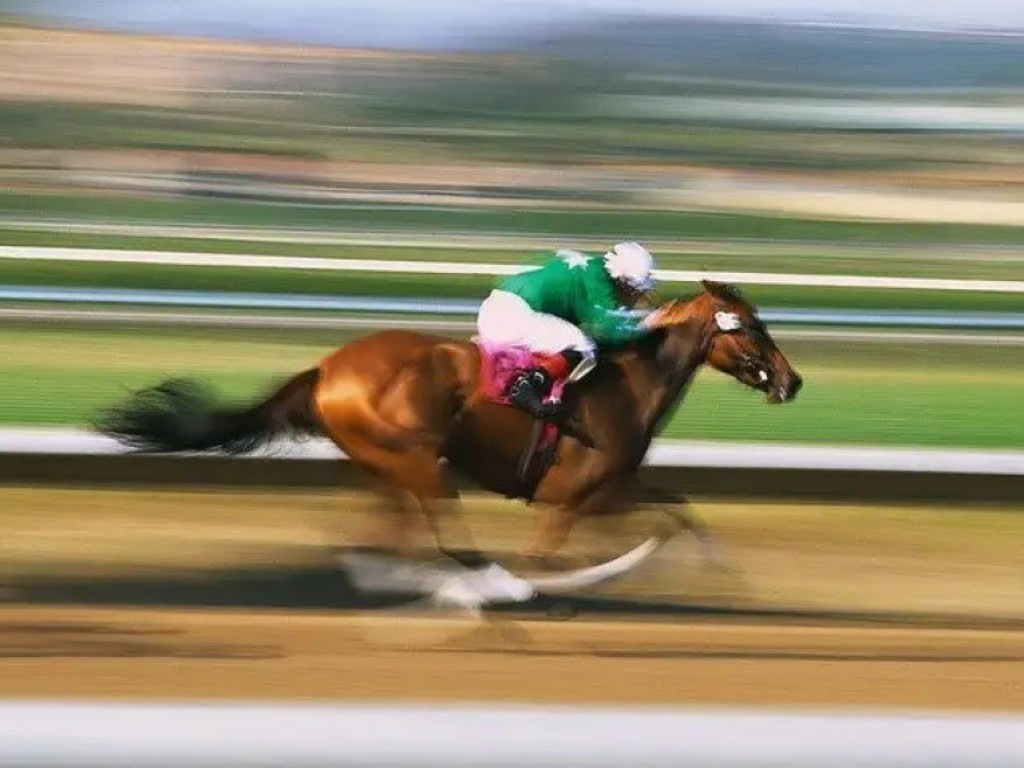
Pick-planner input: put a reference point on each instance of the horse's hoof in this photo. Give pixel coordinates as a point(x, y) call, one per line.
point(472, 590)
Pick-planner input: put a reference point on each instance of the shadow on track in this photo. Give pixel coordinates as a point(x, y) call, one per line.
point(312, 588)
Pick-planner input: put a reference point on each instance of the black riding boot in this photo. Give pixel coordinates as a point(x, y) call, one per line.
point(528, 391)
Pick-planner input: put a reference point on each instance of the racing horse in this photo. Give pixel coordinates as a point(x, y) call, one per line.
point(409, 408)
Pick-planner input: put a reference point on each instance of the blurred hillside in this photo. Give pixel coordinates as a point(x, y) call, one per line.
point(644, 112)
point(794, 54)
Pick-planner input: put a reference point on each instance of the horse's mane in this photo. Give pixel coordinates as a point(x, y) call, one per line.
point(650, 342)
point(645, 344)
point(725, 290)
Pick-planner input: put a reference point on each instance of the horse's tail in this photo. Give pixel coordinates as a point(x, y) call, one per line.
point(181, 415)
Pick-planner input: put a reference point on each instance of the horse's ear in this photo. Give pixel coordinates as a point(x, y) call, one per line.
point(718, 290)
point(722, 291)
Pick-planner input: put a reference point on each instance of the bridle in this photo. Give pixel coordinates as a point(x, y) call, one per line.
point(730, 322)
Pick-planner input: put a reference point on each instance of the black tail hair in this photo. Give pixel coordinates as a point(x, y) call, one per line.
point(182, 415)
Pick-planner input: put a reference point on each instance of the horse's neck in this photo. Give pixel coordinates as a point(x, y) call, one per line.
point(659, 381)
point(670, 397)
point(668, 390)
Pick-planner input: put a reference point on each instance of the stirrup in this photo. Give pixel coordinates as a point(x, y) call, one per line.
point(583, 367)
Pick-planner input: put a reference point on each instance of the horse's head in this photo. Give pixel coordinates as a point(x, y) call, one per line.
point(735, 339)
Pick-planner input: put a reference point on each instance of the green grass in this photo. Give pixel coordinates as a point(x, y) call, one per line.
point(553, 222)
point(62, 376)
point(854, 394)
point(808, 258)
point(865, 407)
point(495, 119)
point(57, 125)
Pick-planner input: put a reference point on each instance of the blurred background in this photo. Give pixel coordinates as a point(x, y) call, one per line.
point(856, 167)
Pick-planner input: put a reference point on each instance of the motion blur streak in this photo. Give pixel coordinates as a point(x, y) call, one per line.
point(224, 192)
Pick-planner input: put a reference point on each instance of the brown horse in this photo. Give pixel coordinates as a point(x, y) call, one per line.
point(405, 407)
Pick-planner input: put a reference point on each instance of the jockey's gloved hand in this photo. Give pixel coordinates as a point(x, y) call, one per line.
point(528, 392)
point(652, 319)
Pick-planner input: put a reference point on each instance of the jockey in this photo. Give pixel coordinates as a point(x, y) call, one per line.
point(544, 309)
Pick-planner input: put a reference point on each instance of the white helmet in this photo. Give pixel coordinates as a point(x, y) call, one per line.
point(631, 263)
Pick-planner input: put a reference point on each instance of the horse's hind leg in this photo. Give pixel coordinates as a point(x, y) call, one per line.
point(426, 478)
point(418, 471)
point(392, 525)
point(481, 580)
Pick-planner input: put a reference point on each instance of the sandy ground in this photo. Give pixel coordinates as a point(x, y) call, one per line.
point(767, 195)
point(74, 652)
point(152, 594)
point(794, 556)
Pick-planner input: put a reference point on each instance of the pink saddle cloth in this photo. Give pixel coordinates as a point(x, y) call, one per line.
point(500, 364)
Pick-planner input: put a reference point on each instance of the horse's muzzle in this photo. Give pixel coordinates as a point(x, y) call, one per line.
point(785, 388)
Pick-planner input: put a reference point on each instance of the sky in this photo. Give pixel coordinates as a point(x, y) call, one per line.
point(419, 23)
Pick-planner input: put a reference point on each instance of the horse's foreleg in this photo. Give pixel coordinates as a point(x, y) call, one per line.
point(681, 517)
point(610, 498)
point(556, 521)
point(550, 533)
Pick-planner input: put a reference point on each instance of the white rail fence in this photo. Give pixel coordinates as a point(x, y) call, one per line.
point(87, 735)
point(664, 453)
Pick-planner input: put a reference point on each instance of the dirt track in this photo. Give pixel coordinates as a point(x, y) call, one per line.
point(128, 653)
point(762, 634)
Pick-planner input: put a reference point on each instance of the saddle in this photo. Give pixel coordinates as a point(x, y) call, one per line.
point(499, 366)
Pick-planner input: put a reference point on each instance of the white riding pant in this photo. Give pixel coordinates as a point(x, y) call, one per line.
point(506, 319)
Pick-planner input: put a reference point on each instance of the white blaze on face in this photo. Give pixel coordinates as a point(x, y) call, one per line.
point(728, 321)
